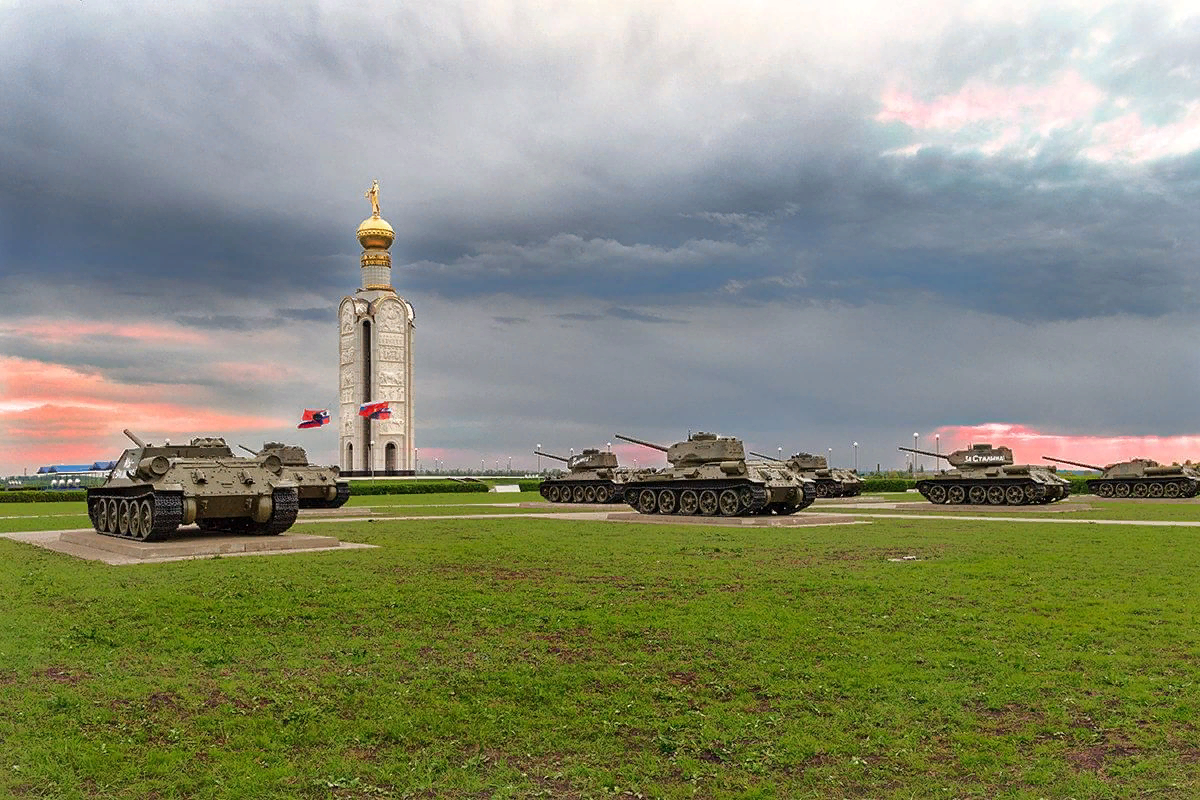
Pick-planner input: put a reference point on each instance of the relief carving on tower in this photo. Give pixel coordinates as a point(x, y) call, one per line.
point(390, 377)
point(361, 307)
point(390, 339)
point(347, 349)
point(390, 316)
point(347, 422)
point(347, 379)
point(347, 395)
point(347, 319)
point(391, 354)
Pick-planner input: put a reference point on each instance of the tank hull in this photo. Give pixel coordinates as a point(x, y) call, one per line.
point(1010, 490)
point(727, 497)
point(569, 489)
point(1169, 486)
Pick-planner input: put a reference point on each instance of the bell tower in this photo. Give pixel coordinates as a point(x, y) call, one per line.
point(376, 365)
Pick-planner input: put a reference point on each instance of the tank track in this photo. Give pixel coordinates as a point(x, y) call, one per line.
point(284, 507)
point(166, 513)
point(709, 499)
point(343, 494)
point(995, 493)
point(600, 491)
point(1138, 488)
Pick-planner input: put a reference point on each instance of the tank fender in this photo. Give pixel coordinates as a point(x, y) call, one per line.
point(330, 493)
point(1171, 470)
point(1016, 469)
point(733, 467)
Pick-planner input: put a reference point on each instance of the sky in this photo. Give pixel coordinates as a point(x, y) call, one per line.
point(805, 225)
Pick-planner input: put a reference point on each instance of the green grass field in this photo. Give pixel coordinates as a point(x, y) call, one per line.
point(512, 657)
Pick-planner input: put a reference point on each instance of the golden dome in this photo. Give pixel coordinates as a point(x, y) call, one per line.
point(375, 234)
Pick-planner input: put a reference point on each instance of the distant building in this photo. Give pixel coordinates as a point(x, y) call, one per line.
point(375, 365)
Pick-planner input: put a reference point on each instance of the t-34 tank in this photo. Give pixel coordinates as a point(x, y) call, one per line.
point(1140, 477)
point(154, 489)
point(710, 475)
point(592, 477)
point(317, 486)
point(830, 481)
point(984, 474)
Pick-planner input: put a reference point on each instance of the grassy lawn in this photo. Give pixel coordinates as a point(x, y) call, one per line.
point(522, 658)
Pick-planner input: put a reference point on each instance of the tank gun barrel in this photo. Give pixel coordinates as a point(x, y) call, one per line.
point(135, 439)
point(1074, 463)
point(922, 452)
point(248, 450)
point(651, 445)
point(550, 455)
point(768, 458)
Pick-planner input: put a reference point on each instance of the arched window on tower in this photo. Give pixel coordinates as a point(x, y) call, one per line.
point(389, 457)
point(349, 462)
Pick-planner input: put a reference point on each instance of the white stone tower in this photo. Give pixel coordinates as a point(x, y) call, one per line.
point(376, 364)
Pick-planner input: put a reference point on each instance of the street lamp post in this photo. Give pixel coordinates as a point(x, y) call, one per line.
point(539, 455)
point(510, 465)
point(830, 461)
point(937, 448)
point(416, 459)
point(780, 449)
point(856, 456)
point(371, 455)
point(915, 455)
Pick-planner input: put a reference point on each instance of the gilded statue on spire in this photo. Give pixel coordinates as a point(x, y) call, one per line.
point(373, 195)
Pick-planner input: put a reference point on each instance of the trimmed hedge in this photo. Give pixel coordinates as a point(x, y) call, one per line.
point(888, 484)
point(359, 487)
point(42, 496)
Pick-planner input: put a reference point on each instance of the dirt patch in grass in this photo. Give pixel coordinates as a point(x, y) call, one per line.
point(61, 675)
point(1010, 719)
point(160, 700)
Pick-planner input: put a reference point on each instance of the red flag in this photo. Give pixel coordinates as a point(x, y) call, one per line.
point(375, 410)
point(314, 418)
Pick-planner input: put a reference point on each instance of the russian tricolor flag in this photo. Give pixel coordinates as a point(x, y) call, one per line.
point(314, 418)
point(375, 410)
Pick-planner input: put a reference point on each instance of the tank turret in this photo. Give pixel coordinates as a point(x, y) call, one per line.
point(152, 490)
point(709, 475)
point(1140, 477)
point(983, 474)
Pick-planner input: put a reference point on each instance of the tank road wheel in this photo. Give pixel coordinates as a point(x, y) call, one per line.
point(146, 515)
point(1122, 489)
point(601, 494)
point(956, 494)
point(552, 494)
point(729, 503)
point(647, 501)
point(1015, 495)
point(689, 502)
point(667, 501)
point(822, 490)
point(1155, 489)
point(1171, 489)
point(978, 495)
point(1105, 490)
point(937, 494)
point(589, 494)
point(101, 516)
point(745, 498)
point(1033, 495)
point(123, 517)
point(1139, 490)
point(708, 502)
point(577, 494)
point(1189, 489)
point(135, 520)
point(995, 495)
point(111, 503)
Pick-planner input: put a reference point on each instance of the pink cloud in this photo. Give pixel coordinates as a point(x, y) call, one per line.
point(70, 331)
point(1068, 100)
point(1127, 138)
point(1030, 445)
point(57, 414)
